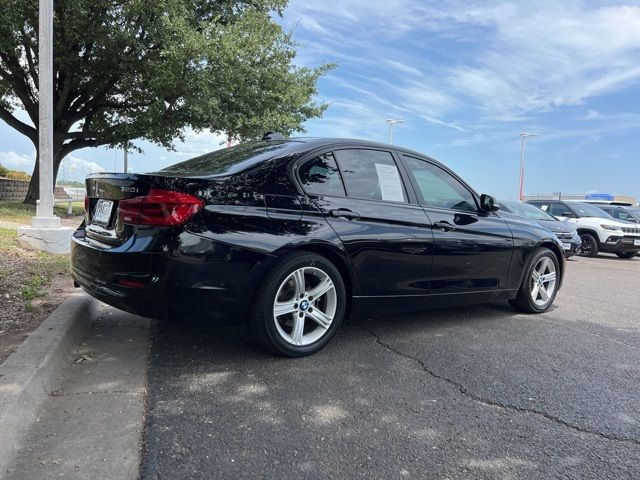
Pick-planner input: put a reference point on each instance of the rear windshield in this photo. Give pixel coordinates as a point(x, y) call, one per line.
point(526, 211)
point(228, 160)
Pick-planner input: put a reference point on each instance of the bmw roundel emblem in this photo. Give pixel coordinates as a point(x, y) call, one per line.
point(304, 304)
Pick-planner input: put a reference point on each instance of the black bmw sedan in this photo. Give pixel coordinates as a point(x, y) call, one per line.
point(292, 235)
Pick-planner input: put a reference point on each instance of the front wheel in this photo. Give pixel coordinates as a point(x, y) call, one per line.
point(540, 283)
point(626, 255)
point(299, 305)
point(589, 246)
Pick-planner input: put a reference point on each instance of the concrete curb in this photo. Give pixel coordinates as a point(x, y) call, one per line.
point(26, 377)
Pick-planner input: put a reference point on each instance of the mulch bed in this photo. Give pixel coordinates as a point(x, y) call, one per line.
point(32, 285)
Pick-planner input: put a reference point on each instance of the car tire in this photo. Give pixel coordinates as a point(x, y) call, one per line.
point(305, 323)
point(589, 247)
point(626, 255)
point(529, 299)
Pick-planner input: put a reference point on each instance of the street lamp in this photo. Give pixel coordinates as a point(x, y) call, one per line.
point(392, 122)
point(523, 136)
point(45, 232)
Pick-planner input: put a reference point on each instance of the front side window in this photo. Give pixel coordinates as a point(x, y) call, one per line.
point(371, 175)
point(320, 176)
point(438, 188)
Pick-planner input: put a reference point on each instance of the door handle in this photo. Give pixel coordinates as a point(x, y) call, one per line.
point(345, 213)
point(444, 225)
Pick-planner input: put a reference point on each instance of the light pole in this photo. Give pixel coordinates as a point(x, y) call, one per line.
point(45, 124)
point(126, 157)
point(45, 232)
point(523, 136)
point(392, 122)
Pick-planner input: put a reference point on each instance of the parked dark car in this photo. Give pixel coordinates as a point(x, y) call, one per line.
point(292, 235)
point(620, 212)
point(565, 232)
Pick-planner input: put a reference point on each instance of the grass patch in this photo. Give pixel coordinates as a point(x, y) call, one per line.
point(38, 271)
point(9, 240)
point(20, 213)
point(33, 288)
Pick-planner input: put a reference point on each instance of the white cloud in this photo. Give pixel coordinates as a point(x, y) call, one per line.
point(504, 59)
point(198, 143)
point(17, 161)
point(73, 167)
point(81, 166)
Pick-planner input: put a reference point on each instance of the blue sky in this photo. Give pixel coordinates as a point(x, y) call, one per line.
point(466, 77)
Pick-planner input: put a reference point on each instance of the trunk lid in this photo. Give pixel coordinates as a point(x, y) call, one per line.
point(105, 191)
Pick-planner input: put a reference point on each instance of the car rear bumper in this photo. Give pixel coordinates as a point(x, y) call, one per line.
point(212, 284)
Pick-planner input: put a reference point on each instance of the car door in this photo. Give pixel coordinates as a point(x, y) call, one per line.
point(473, 249)
point(361, 193)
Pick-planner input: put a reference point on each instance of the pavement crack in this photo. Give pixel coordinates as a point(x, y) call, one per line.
point(58, 393)
point(492, 403)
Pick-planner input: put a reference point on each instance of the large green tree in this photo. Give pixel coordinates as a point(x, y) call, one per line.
point(140, 69)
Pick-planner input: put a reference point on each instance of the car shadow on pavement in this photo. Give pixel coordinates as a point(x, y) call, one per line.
point(481, 390)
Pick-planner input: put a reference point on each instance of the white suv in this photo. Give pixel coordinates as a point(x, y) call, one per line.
point(599, 231)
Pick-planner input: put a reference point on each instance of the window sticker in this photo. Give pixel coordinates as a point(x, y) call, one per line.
point(390, 183)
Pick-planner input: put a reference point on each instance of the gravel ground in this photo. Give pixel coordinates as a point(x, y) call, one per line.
point(474, 392)
point(32, 285)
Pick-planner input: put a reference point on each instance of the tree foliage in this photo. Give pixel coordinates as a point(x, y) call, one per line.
point(135, 69)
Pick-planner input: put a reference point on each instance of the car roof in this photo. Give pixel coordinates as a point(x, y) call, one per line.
point(319, 142)
point(284, 148)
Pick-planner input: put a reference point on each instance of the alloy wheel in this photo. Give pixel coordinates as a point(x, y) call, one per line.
point(305, 306)
point(543, 281)
point(585, 248)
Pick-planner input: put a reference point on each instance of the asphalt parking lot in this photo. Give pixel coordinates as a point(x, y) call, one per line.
point(473, 392)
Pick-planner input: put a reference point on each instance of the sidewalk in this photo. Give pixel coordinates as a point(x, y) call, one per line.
point(10, 225)
point(91, 424)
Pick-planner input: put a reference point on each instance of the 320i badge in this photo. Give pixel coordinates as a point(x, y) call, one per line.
point(292, 235)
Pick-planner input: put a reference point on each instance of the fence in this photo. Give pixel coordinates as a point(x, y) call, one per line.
point(13, 190)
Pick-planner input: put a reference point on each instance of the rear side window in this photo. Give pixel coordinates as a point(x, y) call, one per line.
point(621, 215)
point(371, 175)
point(320, 176)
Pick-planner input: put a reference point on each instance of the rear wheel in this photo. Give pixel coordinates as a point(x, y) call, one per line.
point(540, 283)
point(589, 247)
point(299, 305)
point(626, 255)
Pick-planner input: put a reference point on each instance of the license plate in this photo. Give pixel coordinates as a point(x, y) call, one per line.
point(102, 212)
point(566, 246)
point(636, 243)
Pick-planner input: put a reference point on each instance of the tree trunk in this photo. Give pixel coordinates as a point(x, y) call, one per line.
point(33, 193)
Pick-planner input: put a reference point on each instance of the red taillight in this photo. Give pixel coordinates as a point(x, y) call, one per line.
point(138, 284)
point(86, 203)
point(159, 207)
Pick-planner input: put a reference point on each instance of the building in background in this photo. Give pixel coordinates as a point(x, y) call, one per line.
point(604, 197)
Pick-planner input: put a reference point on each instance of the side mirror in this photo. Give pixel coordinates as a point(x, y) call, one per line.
point(567, 214)
point(488, 203)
